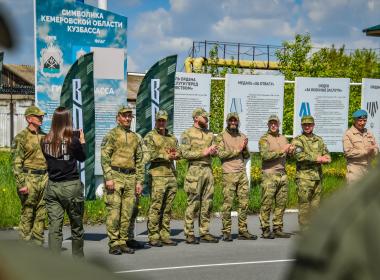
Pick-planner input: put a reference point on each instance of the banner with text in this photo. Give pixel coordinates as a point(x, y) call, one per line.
point(370, 103)
point(191, 91)
point(326, 99)
point(66, 30)
point(254, 98)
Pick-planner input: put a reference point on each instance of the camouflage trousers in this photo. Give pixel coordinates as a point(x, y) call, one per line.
point(199, 186)
point(309, 197)
point(274, 195)
point(60, 197)
point(163, 193)
point(120, 205)
point(235, 184)
point(33, 212)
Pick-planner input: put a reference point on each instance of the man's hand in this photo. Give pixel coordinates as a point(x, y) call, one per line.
point(244, 144)
point(372, 150)
point(323, 159)
point(138, 188)
point(110, 185)
point(286, 148)
point(212, 150)
point(23, 190)
point(291, 149)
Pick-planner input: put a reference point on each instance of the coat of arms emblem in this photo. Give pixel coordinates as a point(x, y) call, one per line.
point(51, 61)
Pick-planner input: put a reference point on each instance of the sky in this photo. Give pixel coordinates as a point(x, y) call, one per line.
point(158, 28)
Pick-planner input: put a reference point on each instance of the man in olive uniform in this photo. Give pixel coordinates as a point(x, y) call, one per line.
point(274, 148)
point(121, 159)
point(29, 168)
point(233, 150)
point(310, 153)
point(161, 151)
point(197, 146)
point(359, 147)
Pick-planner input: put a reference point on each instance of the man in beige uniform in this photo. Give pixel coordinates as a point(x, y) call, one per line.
point(359, 147)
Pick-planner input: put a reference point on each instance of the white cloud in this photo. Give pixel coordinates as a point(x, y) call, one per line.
point(180, 6)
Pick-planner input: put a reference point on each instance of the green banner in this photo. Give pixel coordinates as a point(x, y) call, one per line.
point(156, 92)
point(78, 94)
point(1, 64)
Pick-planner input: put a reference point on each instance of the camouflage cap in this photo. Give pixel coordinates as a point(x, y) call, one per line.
point(232, 115)
point(125, 109)
point(360, 114)
point(273, 118)
point(162, 114)
point(34, 110)
point(307, 119)
point(200, 112)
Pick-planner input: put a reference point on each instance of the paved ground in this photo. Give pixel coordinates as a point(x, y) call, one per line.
point(260, 259)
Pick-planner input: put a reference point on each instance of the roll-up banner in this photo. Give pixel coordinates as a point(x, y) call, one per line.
point(191, 91)
point(66, 30)
point(370, 103)
point(254, 98)
point(327, 100)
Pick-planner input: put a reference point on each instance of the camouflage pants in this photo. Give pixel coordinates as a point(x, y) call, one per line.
point(274, 192)
point(120, 204)
point(33, 212)
point(60, 197)
point(162, 197)
point(199, 186)
point(309, 196)
point(235, 184)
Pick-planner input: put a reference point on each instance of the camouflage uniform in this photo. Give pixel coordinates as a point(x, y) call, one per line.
point(121, 159)
point(235, 179)
point(308, 174)
point(199, 181)
point(29, 168)
point(164, 183)
point(274, 182)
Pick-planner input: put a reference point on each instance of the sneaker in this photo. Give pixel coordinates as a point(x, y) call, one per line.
point(168, 242)
point(280, 234)
point(190, 239)
point(155, 243)
point(135, 244)
point(247, 236)
point(115, 250)
point(125, 249)
point(209, 238)
point(227, 237)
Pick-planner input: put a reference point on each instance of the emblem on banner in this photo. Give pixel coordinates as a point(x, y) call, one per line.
point(372, 108)
point(236, 106)
point(305, 109)
point(51, 60)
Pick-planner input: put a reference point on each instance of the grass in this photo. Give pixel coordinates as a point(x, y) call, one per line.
point(95, 211)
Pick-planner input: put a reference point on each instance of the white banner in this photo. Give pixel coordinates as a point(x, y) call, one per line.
point(254, 98)
point(370, 103)
point(191, 91)
point(326, 99)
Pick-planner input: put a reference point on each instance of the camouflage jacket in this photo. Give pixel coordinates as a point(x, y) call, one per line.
point(27, 153)
point(307, 150)
point(270, 147)
point(156, 152)
point(122, 148)
point(193, 142)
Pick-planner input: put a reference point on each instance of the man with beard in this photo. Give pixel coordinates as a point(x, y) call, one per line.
point(359, 147)
point(161, 151)
point(123, 171)
point(274, 148)
point(197, 146)
point(233, 150)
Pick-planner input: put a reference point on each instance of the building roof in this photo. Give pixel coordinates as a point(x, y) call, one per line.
point(372, 31)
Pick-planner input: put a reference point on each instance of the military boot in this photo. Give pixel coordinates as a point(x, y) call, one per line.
point(125, 249)
point(77, 248)
point(134, 244)
point(155, 243)
point(190, 239)
point(246, 236)
point(278, 233)
point(267, 234)
point(168, 242)
point(227, 237)
point(115, 250)
point(208, 238)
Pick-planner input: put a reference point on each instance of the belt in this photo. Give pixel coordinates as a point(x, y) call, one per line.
point(34, 171)
point(200, 164)
point(124, 170)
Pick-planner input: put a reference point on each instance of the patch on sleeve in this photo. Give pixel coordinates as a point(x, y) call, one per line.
point(184, 141)
point(298, 150)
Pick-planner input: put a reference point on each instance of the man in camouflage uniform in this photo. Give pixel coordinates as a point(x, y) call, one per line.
point(359, 147)
point(161, 151)
point(274, 148)
point(121, 159)
point(233, 150)
point(29, 168)
point(197, 147)
point(310, 153)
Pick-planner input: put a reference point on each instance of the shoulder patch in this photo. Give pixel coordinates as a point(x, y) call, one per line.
point(298, 150)
point(185, 141)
